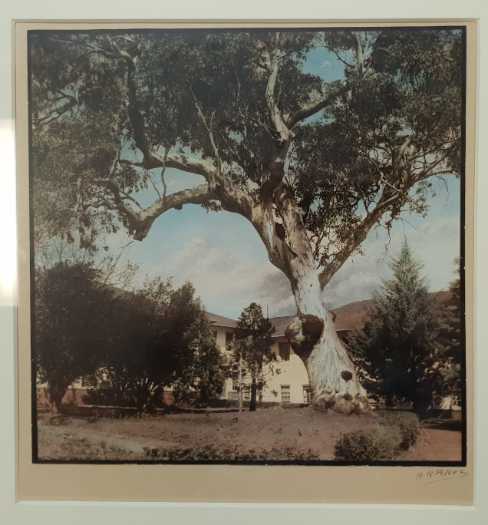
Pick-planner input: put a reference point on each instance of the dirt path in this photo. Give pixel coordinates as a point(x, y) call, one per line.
point(436, 445)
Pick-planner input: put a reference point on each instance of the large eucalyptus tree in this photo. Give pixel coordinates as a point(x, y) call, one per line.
point(312, 164)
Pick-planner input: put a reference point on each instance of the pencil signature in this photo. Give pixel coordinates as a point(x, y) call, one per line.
point(440, 474)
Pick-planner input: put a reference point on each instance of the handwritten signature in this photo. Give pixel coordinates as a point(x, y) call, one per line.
point(440, 474)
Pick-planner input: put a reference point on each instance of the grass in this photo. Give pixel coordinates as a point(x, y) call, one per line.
point(268, 434)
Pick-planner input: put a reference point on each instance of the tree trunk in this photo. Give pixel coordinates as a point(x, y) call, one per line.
point(56, 394)
point(240, 384)
point(254, 388)
point(333, 379)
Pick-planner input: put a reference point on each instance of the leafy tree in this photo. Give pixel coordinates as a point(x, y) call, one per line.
point(201, 375)
point(313, 164)
point(452, 338)
point(139, 363)
point(399, 345)
point(163, 339)
point(71, 325)
point(253, 340)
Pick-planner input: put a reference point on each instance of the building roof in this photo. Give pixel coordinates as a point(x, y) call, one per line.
point(349, 317)
point(221, 321)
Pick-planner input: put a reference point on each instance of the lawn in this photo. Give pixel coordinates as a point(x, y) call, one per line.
point(267, 434)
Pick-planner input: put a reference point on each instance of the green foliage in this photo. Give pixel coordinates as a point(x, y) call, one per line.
point(69, 340)
point(408, 425)
point(201, 377)
point(131, 343)
point(451, 335)
point(253, 340)
point(396, 432)
point(389, 123)
point(363, 446)
point(140, 361)
point(399, 348)
point(163, 339)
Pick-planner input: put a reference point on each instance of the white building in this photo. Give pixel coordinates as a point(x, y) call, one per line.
point(286, 379)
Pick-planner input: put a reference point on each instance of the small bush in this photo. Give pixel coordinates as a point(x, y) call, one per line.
point(407, 423)
point(229, 453)
point(379, 444)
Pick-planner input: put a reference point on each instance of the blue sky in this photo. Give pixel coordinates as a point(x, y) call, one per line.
point(226, 261)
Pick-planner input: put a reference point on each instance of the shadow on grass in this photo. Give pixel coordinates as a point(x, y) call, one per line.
point(442, 424)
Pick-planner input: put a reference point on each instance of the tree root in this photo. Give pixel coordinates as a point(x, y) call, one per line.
point(342, 403)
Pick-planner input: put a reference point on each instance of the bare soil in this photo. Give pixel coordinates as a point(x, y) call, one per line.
point(302, 430)
point(434, 444)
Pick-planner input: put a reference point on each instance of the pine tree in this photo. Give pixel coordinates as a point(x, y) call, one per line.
point(399, 347)
point(253, 346)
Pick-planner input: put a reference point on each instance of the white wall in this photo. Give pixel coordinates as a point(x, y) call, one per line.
point(291, 372)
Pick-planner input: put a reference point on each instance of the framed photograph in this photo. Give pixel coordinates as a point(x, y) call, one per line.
point(246, 261)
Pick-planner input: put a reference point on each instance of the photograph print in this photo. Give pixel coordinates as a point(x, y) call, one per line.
point(247, 245)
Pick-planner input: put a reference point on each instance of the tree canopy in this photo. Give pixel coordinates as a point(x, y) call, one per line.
point(111, 110)
point(162, 339)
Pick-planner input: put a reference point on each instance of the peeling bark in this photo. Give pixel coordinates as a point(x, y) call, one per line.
point(277, 218)
point(333, 379)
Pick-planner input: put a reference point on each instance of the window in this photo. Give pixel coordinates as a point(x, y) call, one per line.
point(307, 394)
point(284, 350)
point(234, 395)
point(285, 394)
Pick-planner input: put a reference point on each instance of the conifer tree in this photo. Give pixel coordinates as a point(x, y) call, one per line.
point(253, 346)
point(399, 347)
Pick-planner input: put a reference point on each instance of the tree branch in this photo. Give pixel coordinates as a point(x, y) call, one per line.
point(139, 222)
point(314, 107)
point(57, 112)
point(358, 235)
point(205, 168)
point(211, 138)
point(280, 127)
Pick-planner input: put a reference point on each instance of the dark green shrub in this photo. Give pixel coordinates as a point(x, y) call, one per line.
point(407, 423)
point(380, 444)
point(229, 453)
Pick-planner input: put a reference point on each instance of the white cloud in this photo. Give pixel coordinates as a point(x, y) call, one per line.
point(435, 244)
point(229, 276)
point(226, 280)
